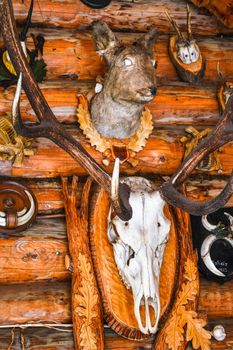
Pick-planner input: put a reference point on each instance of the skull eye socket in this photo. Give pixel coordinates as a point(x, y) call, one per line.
point(131, 256)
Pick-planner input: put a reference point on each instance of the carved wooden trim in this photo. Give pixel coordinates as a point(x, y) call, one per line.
point(86, 305)
point(183, 316)
point(117, 299)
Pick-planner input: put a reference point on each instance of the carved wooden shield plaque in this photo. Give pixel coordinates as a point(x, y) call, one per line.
point(118, 301)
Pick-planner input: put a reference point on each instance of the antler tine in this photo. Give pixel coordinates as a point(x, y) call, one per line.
point(49, 127)
point(189, 30)
point(175, 26)
point(27, 23)
point(15, 104)
point(16, 116)
point(115, 183)
point(222, 134)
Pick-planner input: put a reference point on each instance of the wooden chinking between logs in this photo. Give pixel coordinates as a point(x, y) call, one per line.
point(34, 281)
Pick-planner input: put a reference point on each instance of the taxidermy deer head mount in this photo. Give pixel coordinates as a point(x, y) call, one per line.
point(139, 245)
point(129, 82)
point(49, 127)
point(185, 53)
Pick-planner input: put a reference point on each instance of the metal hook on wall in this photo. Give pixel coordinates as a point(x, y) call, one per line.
point(96, 4)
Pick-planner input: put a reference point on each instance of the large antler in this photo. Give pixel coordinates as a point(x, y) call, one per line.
point(221, 134)
point(49, 127)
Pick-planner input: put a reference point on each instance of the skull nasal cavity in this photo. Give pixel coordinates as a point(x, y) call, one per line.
point(153, 90)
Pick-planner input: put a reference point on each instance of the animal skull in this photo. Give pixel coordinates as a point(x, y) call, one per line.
point(138, 247)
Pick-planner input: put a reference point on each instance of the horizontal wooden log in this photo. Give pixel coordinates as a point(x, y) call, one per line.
point(161, 155)
point(50, 338)
point(50, 302)
point(220, 10)
point(215, 298)
point(37, 255)
point(202, 188)
point(46, 303)
point(124, 15)
point(72, 55)
point(176, 104)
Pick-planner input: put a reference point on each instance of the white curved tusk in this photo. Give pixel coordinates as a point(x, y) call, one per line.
point(115, 182)
point(229, 240)
point(205, 255)
point(24, 219)
point(207, 225)
point(230, 217)
point(23, 44)
point(22, 212)
point(2, 214)
point(16, 98)
point(23, 216)
point(2, 222)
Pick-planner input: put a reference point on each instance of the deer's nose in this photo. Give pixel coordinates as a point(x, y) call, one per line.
point(153, 90)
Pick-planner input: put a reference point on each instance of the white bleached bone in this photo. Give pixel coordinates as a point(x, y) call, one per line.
point(138, 247)
point(208, 242)
point(207, 225)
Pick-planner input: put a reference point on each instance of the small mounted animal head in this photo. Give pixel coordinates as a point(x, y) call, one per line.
point(184, 51)
point(188, 51)
point(129, 82)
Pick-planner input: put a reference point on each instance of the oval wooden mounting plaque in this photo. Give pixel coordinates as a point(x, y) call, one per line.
point(192, 72)
point(117, 300)
point(18, 207)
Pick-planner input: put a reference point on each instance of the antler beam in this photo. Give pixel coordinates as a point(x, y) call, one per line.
point(49, 127)
point(221, 134)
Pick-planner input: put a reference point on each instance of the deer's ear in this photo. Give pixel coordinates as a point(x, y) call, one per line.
point(106, 42)
point(146, 42)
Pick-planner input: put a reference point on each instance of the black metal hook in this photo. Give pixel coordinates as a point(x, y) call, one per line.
point(96, 4)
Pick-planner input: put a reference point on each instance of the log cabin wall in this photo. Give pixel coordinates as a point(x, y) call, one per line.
point(34, 282)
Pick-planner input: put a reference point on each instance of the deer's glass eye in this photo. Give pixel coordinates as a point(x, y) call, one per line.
point(128, 62)
point(154, 63)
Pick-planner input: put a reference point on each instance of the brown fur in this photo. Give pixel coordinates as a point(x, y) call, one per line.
point(116, 110)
